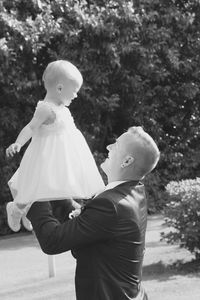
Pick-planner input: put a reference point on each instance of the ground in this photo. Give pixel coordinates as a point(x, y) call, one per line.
point(169, 273)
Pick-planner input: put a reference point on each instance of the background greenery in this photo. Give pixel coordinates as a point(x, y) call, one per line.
point(141, 66)
point(183, 215)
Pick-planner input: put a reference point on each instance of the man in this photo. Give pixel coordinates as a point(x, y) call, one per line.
point(108, 237)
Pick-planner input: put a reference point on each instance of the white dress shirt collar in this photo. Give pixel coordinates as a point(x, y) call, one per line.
point(113, 184)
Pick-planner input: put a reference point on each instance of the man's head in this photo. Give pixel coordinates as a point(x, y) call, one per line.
point(62, 79)
point(132, 156)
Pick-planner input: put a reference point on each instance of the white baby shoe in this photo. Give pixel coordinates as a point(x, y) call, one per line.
point(14, 215)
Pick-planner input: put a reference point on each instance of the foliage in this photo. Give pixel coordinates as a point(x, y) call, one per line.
point(140, 63)
point(183, 214)
point(4, 229)
point(155, 192)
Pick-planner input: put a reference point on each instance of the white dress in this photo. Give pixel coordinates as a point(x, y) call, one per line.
point(57, 164)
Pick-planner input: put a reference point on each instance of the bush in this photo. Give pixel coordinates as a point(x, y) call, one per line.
point(4, 229)
point(155, 190)
point(183, 214)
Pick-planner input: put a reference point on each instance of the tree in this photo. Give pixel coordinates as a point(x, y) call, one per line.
point(140, 63)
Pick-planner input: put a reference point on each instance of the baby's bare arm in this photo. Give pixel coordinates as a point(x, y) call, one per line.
point(40, 116)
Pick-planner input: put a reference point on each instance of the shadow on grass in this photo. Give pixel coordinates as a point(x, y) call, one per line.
point(162, 272)
point(18, 241)
point(40, 288)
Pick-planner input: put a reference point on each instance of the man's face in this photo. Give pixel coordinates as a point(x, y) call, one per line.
point(116, 153)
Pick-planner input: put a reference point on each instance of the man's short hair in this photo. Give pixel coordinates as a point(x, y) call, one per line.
point(151, 154)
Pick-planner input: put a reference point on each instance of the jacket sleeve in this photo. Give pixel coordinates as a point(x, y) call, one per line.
point(96, 223)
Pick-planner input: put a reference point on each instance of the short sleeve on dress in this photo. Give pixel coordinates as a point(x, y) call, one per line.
point(44, 111)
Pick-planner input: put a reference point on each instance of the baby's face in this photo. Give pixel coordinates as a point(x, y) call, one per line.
point(69, 92)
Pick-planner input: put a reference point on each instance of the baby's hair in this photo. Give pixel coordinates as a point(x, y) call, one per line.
point(58, 70)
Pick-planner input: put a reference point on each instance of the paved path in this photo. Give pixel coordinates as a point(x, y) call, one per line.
point(24, 270)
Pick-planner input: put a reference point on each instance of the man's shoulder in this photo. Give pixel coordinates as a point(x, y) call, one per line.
point(127, 198)
point(130, 189)
point(124, 201)
point(124, 188)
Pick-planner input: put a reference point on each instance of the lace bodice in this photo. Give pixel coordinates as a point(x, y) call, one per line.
point(61, 118)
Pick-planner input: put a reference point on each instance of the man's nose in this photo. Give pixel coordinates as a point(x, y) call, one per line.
point(109, 147)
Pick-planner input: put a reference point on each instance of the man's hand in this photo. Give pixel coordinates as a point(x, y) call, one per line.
point(12, 149)
point(62, 208)
point(75, 213)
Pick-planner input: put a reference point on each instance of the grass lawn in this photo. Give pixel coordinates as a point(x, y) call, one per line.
point(169, 272)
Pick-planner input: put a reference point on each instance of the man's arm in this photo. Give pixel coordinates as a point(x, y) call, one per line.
point(94, 224)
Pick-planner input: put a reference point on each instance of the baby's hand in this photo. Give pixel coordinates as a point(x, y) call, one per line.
point(12, 149)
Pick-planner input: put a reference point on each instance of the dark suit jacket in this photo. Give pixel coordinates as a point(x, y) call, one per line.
point(107, 239)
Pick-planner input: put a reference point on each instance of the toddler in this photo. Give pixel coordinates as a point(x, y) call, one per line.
point(58, 163)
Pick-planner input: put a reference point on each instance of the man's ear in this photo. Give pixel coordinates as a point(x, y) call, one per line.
point(128, 160)
point(59, 87)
